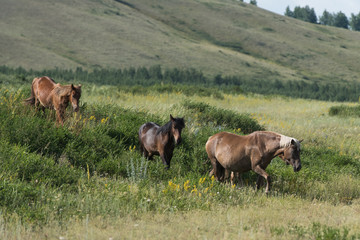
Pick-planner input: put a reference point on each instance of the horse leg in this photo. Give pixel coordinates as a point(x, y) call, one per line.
point(259, 182)
point(227, 175)
point(143, 151)
point(165, 159)
point(220, 177)
point(211, 173)
point(219, 171)
point(37, 104)
point(232, 178)
point(147, 155)
point(59, 116)
point(236, 178)
point(263, 174)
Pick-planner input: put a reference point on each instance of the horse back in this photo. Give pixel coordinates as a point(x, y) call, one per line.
point(148, 136)
point(231, 151)
point(42, 88)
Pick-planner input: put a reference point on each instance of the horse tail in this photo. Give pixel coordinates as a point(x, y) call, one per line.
point(141, 146)
point(31, 99)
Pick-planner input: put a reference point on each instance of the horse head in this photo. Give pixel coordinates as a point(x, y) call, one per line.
point(177, 125)
point(292, 155)
point(75, 97)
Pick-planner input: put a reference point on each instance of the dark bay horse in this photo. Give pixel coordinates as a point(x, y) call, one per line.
point(229, 152)
point(48, 94)
point(161, 140)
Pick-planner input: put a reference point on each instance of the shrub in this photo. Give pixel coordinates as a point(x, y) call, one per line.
point(206, 114)
point(345, 111)
point(18, 163)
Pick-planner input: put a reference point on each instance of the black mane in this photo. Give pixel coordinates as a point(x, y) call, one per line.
point(164, 129)
point(167, 127)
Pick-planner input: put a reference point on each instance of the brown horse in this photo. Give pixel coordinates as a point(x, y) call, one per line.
point(48, 94)
point(161, 140)
point(230, 152)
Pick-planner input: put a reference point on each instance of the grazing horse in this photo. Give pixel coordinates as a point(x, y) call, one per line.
point(48, 94)
point(230, 152)
point(161, 140)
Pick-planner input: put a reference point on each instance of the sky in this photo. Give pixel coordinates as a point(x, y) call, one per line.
point(332, 6)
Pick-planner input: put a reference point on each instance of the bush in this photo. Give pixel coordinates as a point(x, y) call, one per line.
point(206, 114)
point(345, 111)
point(18, 163)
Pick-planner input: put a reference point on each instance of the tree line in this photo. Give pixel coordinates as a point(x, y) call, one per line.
point(338, 19)
point(183, 78)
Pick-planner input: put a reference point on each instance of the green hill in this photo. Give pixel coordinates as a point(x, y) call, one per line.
point(215, 36)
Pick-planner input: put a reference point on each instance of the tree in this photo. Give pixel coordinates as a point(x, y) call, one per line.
point(288, 12)
point(253, 2)
point(311, 15)
point(306, 13)
point(327, 19)
point(340, 20)
point(355, 22)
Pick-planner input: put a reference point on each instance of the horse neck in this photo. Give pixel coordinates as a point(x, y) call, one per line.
point(272, 142)
point(282, 143)
point(166, 131)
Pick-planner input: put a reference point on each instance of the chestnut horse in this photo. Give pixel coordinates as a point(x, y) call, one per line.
point(229, 152)
point(161, 140)
point(48, 94)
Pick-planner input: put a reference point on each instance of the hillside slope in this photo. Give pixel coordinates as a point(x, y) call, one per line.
point(226, 37)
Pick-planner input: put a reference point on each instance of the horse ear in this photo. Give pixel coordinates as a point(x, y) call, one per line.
point(79, 86)
point(171, 118)
point(72, 87)
point(301, 140)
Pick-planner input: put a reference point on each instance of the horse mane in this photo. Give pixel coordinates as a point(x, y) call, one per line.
point(62, 90)
point(167, 127)
point(285, 141)
point(164, 129)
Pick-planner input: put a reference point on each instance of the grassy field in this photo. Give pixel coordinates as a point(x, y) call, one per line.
point(86, 180)
point(302, 119)
point(216, 37)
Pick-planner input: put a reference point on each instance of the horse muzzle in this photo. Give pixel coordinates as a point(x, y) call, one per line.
point(76, 109)
point(178, 141)
point(297, 168)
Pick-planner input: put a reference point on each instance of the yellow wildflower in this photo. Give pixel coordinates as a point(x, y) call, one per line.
point(104, 120)
point(173, 186)
point(186, 185)
point(194, 190)
point(202, 180)
point(88, 171)
point(132, 149)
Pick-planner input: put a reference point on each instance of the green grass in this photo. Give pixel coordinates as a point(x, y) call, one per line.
point(90, 171)
point(216, 37)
